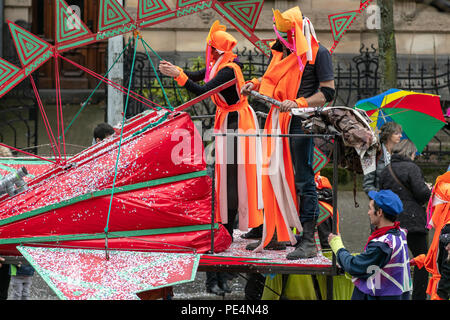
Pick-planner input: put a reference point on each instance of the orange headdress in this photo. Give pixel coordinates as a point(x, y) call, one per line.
point(296, 33)
point(222, 41)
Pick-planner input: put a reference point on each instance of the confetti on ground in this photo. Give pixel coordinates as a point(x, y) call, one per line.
point(237, 254)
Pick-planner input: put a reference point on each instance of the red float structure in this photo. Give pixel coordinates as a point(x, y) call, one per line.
point(138, 193)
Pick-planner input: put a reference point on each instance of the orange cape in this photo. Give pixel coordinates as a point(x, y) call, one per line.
point(440, 201)
point(281, 81)
point(250, 201)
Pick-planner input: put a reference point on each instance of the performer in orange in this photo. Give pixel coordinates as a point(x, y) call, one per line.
point(300, 74)
point(439, 209)
point(238, 165)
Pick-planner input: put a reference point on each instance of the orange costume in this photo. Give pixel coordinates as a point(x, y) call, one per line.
point(250, 201)
point(281, 81)
point(439, 207)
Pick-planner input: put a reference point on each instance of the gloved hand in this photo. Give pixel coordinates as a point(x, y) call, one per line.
point(335, 242)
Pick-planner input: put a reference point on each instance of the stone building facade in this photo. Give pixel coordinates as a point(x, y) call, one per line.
point(420, 29)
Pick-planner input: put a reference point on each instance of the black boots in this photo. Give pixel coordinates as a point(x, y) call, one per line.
point(255, 233)
point(272, 245)
point(217, 282)
point(215, 289)
point(306, 247)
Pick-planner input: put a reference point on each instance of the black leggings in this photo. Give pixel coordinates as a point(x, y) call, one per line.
point(417, 243)
point(232, 197)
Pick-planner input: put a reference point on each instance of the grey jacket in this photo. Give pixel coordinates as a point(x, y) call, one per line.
point(371, 181)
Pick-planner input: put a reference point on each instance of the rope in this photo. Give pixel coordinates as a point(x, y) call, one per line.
point(152, 124)
point(60, 117)
point(98, 85)
point(27, 153)
point(117, 86)
point(156, 73)
point(118, 151)
point(44, 117)
point(177, 88)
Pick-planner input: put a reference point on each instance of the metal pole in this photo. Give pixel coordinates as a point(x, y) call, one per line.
point(213, 188)
point(115, 97)
point(335, 217)
point(297, 135)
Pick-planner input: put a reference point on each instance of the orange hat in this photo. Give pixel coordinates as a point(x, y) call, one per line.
point(219, 38)
point(292, 21)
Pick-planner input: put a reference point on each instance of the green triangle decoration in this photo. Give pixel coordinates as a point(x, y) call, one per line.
point(149, 8)
point(340, 22)
point(29, 47)
point(184, 3)
point(112, 15)
point(246, 11)
point(68, 25)
point(364, 4)
point(319, 160)
point(7, 71)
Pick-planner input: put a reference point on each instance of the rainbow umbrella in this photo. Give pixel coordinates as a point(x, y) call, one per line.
point(419, 114)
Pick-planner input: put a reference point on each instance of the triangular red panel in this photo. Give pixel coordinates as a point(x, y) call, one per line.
point(68, 25)
point(340, 22)
point(246, 11)
point(148, 8)
point(84, 274)
point(268, 42)
point(364, 4)
point(7, 71)
point(112, 15)
point(184, 3)
point(29, 47)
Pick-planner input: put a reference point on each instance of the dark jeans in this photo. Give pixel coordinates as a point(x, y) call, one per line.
point(4, 281)
point(417, 243)
point(302, 150)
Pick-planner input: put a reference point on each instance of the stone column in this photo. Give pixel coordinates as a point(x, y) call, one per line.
point(115, 97)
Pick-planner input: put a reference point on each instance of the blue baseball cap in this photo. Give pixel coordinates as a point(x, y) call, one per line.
point(388, 201)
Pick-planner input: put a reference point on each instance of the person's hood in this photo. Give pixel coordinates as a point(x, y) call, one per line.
point(290, 22)
point(223, 42)
point(219, 38)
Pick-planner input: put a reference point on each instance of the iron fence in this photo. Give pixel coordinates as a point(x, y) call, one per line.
point(356, 77)
point(19, 109)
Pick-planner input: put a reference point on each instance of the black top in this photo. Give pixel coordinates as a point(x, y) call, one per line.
point(443, 289)
point(313, 74)
point(414, 217)
point(224, 75)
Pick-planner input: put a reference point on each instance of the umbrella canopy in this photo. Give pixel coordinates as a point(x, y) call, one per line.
point(419, 114)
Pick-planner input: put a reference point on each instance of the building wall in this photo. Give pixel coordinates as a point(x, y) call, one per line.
point(17, 10)
point(420, 29)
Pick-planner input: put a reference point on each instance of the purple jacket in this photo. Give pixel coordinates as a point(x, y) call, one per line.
point(395, 277)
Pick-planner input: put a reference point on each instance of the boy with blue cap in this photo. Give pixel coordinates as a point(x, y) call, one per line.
point(382, 271)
